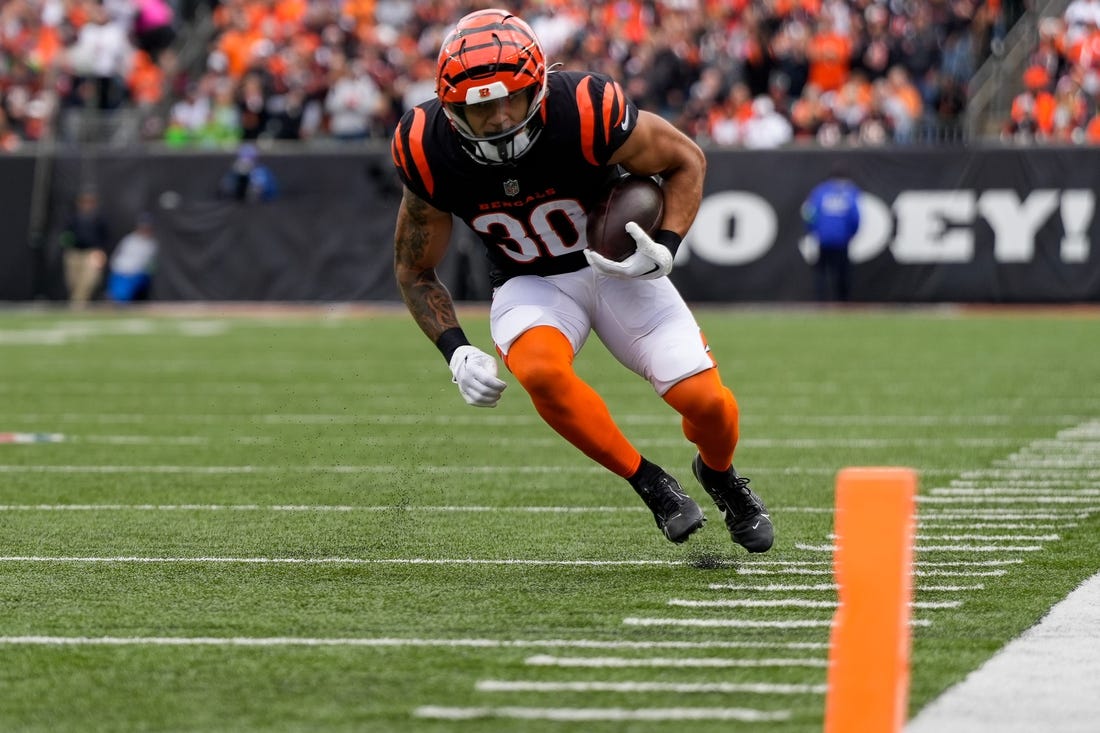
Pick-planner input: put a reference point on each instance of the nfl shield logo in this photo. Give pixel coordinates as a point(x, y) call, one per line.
point(511, 187)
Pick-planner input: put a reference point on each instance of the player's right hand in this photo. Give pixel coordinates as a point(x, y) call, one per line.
point(650, 261)
point(475, 373)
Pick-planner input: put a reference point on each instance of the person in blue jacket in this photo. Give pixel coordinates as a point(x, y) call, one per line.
point(248, 180)
point(831, 213)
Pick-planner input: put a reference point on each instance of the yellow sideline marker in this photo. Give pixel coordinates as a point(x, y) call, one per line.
point(868, 676)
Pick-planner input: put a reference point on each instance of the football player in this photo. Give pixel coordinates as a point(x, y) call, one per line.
point(520, 152)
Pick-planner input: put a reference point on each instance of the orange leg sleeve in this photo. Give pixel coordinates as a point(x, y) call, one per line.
point(542, 361)
point(710, 416)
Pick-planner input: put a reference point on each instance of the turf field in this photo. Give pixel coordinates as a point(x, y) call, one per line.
point(292, 522)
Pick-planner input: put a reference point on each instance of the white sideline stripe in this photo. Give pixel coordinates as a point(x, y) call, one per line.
point(762, 688)
point(1046, 679)
point(343, 561)
point(746, 715)
point(791, 602)
point(938, 548)
point(742, 623)
point(546, 660)
point(277, 641)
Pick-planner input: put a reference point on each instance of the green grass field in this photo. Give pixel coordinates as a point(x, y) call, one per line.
point(292, 522)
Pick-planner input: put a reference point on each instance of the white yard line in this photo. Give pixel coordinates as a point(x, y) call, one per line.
point(789, 603)
point(938, 548)
point(383, 642)
point(1048, 679)
point(341, 561)
point(546, 660)
point(311, 508)
point(762, 688)
point(917, 573)
point(743, 623)
point(601, 714)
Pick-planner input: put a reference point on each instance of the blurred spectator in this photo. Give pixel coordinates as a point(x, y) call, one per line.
point(223, 126)
point(829, 53)
point(291, 117)
point(1071, 112)
point(1082, 18)
point(101, 57)
point(766, 128)
point(1032, 115)
point(84, 241)
point(831, 214)
point(188, 117)
point(247, 180)
point(9, 140)
point(252, 105)
point(132, 263)
point(353, 102)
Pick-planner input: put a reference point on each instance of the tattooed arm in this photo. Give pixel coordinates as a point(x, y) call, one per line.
point(423, 233)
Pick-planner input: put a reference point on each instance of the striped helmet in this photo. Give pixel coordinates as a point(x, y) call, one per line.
point(491, 80)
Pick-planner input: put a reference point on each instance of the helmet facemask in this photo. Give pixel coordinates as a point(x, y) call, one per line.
point(492, 72)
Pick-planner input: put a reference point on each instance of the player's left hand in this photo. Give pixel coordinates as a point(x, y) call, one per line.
point(650, 261)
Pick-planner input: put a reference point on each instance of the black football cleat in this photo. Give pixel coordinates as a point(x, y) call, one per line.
point(677, 515)
point(745, 514)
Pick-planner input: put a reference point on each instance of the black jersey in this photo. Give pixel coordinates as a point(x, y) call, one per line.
point(530, 214)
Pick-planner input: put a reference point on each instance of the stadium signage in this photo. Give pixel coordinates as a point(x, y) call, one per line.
point(920, 227)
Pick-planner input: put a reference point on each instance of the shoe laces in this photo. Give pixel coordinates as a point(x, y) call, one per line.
point(744, 503)
point(662, 495)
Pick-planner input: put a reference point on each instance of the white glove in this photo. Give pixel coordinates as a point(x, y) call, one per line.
point(649, 262)
point(475, 373)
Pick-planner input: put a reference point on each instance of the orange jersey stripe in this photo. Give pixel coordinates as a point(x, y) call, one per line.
point(608, 110)
point(587, 110)
point(416, 150)
point(614, 104)
point(397, 152)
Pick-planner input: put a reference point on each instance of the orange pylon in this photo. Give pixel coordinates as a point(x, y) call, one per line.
point(868, 675)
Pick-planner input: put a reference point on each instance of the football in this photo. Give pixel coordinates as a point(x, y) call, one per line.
point(629, 198)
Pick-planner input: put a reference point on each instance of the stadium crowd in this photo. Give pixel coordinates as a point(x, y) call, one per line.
point(752, 73)
point(1059, 101)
